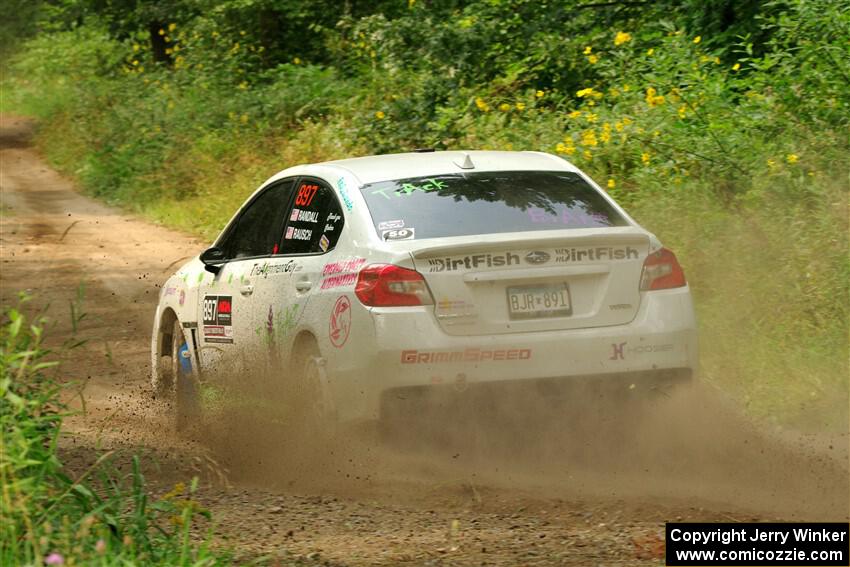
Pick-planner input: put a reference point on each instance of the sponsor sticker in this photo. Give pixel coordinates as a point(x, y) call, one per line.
point(537, 257)
point(343, 192)
point(399, 234)
point(390, 224)
point(595, 254)
point(342, 273)
point(468, 355)
point(267, 269)
point(324, 243)
point(339, 326)
point(218, 318)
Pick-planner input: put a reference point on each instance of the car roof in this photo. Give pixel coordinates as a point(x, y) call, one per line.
point(372, 169)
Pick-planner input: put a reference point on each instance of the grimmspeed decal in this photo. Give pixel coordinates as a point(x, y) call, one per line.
point(597, 254)
point(468, 355)
point(218, 318)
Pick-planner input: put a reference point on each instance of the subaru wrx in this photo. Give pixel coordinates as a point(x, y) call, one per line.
point(363, 280)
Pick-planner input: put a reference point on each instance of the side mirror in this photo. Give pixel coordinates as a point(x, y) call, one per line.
point(212, 259)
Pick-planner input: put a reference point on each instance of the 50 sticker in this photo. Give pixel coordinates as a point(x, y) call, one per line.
point(305, 194)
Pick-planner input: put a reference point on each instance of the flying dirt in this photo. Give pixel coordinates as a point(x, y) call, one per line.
point(519, 481)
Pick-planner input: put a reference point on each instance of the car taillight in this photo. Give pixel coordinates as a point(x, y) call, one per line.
point(661, 270)
point(387, 285)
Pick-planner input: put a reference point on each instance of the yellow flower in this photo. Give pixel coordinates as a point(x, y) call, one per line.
point(736, 67)
point(650, 51)
point(627, 88)
point(539, 94)
point(136, 47)
point(771, 163)
point(698, 39)
point(652, 98)
point(792, 158)
point(243, 85)
point(593, 59)
point(574, 114)
point(161, 31)
point(504, 107)
point(172, 27)
point(611, 184)
point(296, 61)
point(627, 120)
point(481, 104)
point(380, 115)
point(584, 92)
point(135, 62)
point(682, 111)
point(588, 50)
point(588, 138)
point(605, 136)
point(590, 117)
point(587, 155)
point(644, 157)
point(622, 37)
point(618, 126)
point(520, 106)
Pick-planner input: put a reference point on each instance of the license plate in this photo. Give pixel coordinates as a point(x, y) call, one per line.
point(533, 302)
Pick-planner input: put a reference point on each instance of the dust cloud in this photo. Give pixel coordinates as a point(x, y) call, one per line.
point(686, 447)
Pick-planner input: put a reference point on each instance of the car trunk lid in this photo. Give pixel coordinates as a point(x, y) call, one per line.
point(522, 282)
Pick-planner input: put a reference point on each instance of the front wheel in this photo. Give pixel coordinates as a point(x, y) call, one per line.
point(310, 404)
point(186, 402)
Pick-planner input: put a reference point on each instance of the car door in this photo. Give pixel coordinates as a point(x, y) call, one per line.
point(285, 281)
point(227, 301)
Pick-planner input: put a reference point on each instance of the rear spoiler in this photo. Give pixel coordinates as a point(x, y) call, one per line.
point(599, 237)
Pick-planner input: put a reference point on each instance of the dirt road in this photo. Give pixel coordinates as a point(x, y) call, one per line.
point(365, 504)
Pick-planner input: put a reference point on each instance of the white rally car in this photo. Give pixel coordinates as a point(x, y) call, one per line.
point(364, 279)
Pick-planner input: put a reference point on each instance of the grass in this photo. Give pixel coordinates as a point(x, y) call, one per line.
point(101, 516)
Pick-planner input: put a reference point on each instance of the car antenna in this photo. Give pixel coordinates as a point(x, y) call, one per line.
point(466, 163)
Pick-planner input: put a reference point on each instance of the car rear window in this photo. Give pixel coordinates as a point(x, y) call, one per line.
point(462, 204)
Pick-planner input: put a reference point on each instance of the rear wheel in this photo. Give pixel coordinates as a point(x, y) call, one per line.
point(186, 392)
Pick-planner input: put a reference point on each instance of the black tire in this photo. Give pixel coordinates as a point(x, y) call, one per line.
point(163, 383)
point(310, 407)
point(187, 408)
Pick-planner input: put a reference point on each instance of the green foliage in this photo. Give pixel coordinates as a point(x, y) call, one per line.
point(722, 125)
point(102, 516)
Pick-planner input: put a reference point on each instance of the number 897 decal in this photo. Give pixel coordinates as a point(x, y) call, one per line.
point(218, 318)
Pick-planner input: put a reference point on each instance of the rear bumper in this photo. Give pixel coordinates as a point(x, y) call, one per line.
point(530, 396)
point(411, 351)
